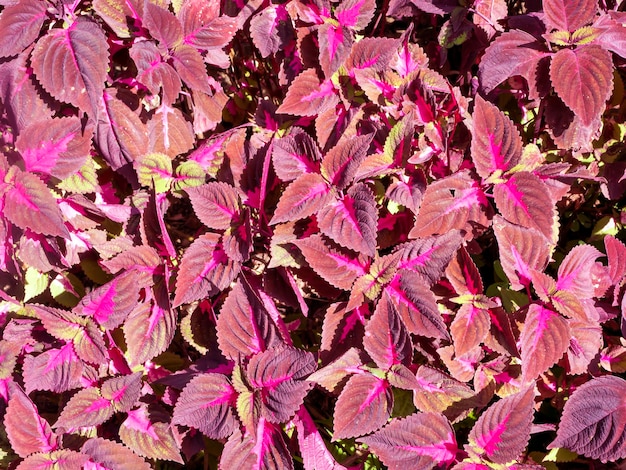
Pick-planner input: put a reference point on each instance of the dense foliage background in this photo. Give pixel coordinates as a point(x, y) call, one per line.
point(312, 234)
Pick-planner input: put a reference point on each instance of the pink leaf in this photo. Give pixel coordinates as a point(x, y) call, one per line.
point(57, 370)
point(190, 66)
point(27, 431)
point(20, 25)
point(575, 271)
point(163, 25)
point(334, 46)
point(86, 408)
point(203, 26)
point(72, 63)
point(502, 432)
point(122, 392)
point(295, 154)
point(306, 96)
point(522, 200)
point(205, 404)
point(375, 53)
point(205, 270)
point(584, 345)
point(616, 254)
point(583, 79)
point(244, 326)
point(352, 220)
point(568, 15)
point(386, 338)
point(496, 143)
point(62, 459)
point(29, 204)
point(469, 328)
point(155, 74)
point(330, 376)
point(271, 29)
point(304, 196)
point(112, 455)
point(593, 421)
point(215, 204)
point(56, 147)
point(364, 406)
point(440, 393)
point(340, 163)
point(355, 14)
point(543, 341)
point(263, 448)
point(420, 440)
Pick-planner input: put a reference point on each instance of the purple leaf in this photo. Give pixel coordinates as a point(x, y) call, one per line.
point(567, 15)
point(62, 459)
point(205, 404)
point(112, 455)
point(575, 271)
point(71, 64)
point(215, 204)
point(163, 26)
point(149, 434)
point(306, 96)
point(335, 42)
point(304, 196)
point(593, 420)
point(352, 220)
point(29, 204)
point(271, 29)
point(583, 79)
point(543, 341)
point(122, 16)
point(522, 200)
point(27, 431)
point(205, 270)
point(86, 408)
point(244, 327)
point(364, 406)
point(142, 258)
point(417, 305)
point(521, 251)
point(122, 392)
point(57, 370)
point(336, 266)
point(341, 163)
point(262, 449)
point(502, 432)
point(496, 143)
point(20, 25)
point(334, 373)
point(295, 154)
point(56, 147)
point(430, 256)
point(419, 441)
point(454, 202)
point(512, 53)
point(386, 338)
point(469, 328)
point(277, 373)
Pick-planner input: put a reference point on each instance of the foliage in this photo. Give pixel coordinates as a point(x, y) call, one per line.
point(312, 234)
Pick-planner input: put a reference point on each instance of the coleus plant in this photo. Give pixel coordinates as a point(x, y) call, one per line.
point(311, 234)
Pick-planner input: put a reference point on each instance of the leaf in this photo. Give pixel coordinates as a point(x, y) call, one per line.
point(569, 15)
point(304, 196)
point(56, 147)
point(439, 393)
point(419, 441)
point(375, 53)
point(262, 448)
point(29, 204)
point(27, 431)
point(205, 270)
point(148, 433)
point(453, 202)
point(204, 27)
point(122, 392)
point(341, 163)
point(469, 328)
point(306, 96)
point(271, 29)
point(57, 370)
point(512, 53)
point(331, 375)
point(584, 345)
point(496, 143)
point(191, 68)
point(543, 341)
point(120, 135)
point(62, 459)
point(430, 256)
point(206, 404)
point(521, 251)
point(149, 329)
point(113, 455)
point(503, 430)
point(575, 271)
point(593, 420)
point(363, 406)
point(20, 25)
point(295, 154)
point(583, 79)
point(86, 408)
point(616, 254)
point(463, 274)
point(335, 42)
point(522, 200)
point(417, 305)
point(71, 64)
point(337, 266)
point(352, 221)
point(163, 25)
point(121, 15)
point(387, 340)
point(367, 288)
point(170, 133)
point(216, 204)
point(244, 327)
point(278, 373)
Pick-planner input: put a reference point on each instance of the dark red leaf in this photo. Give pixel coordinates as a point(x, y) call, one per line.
point(419, 441)
point(204, 27)
point(463, 274)
point(593, 421)
point(295, 154)
point(20, 25)
point(340, 163)
point(304, 196)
